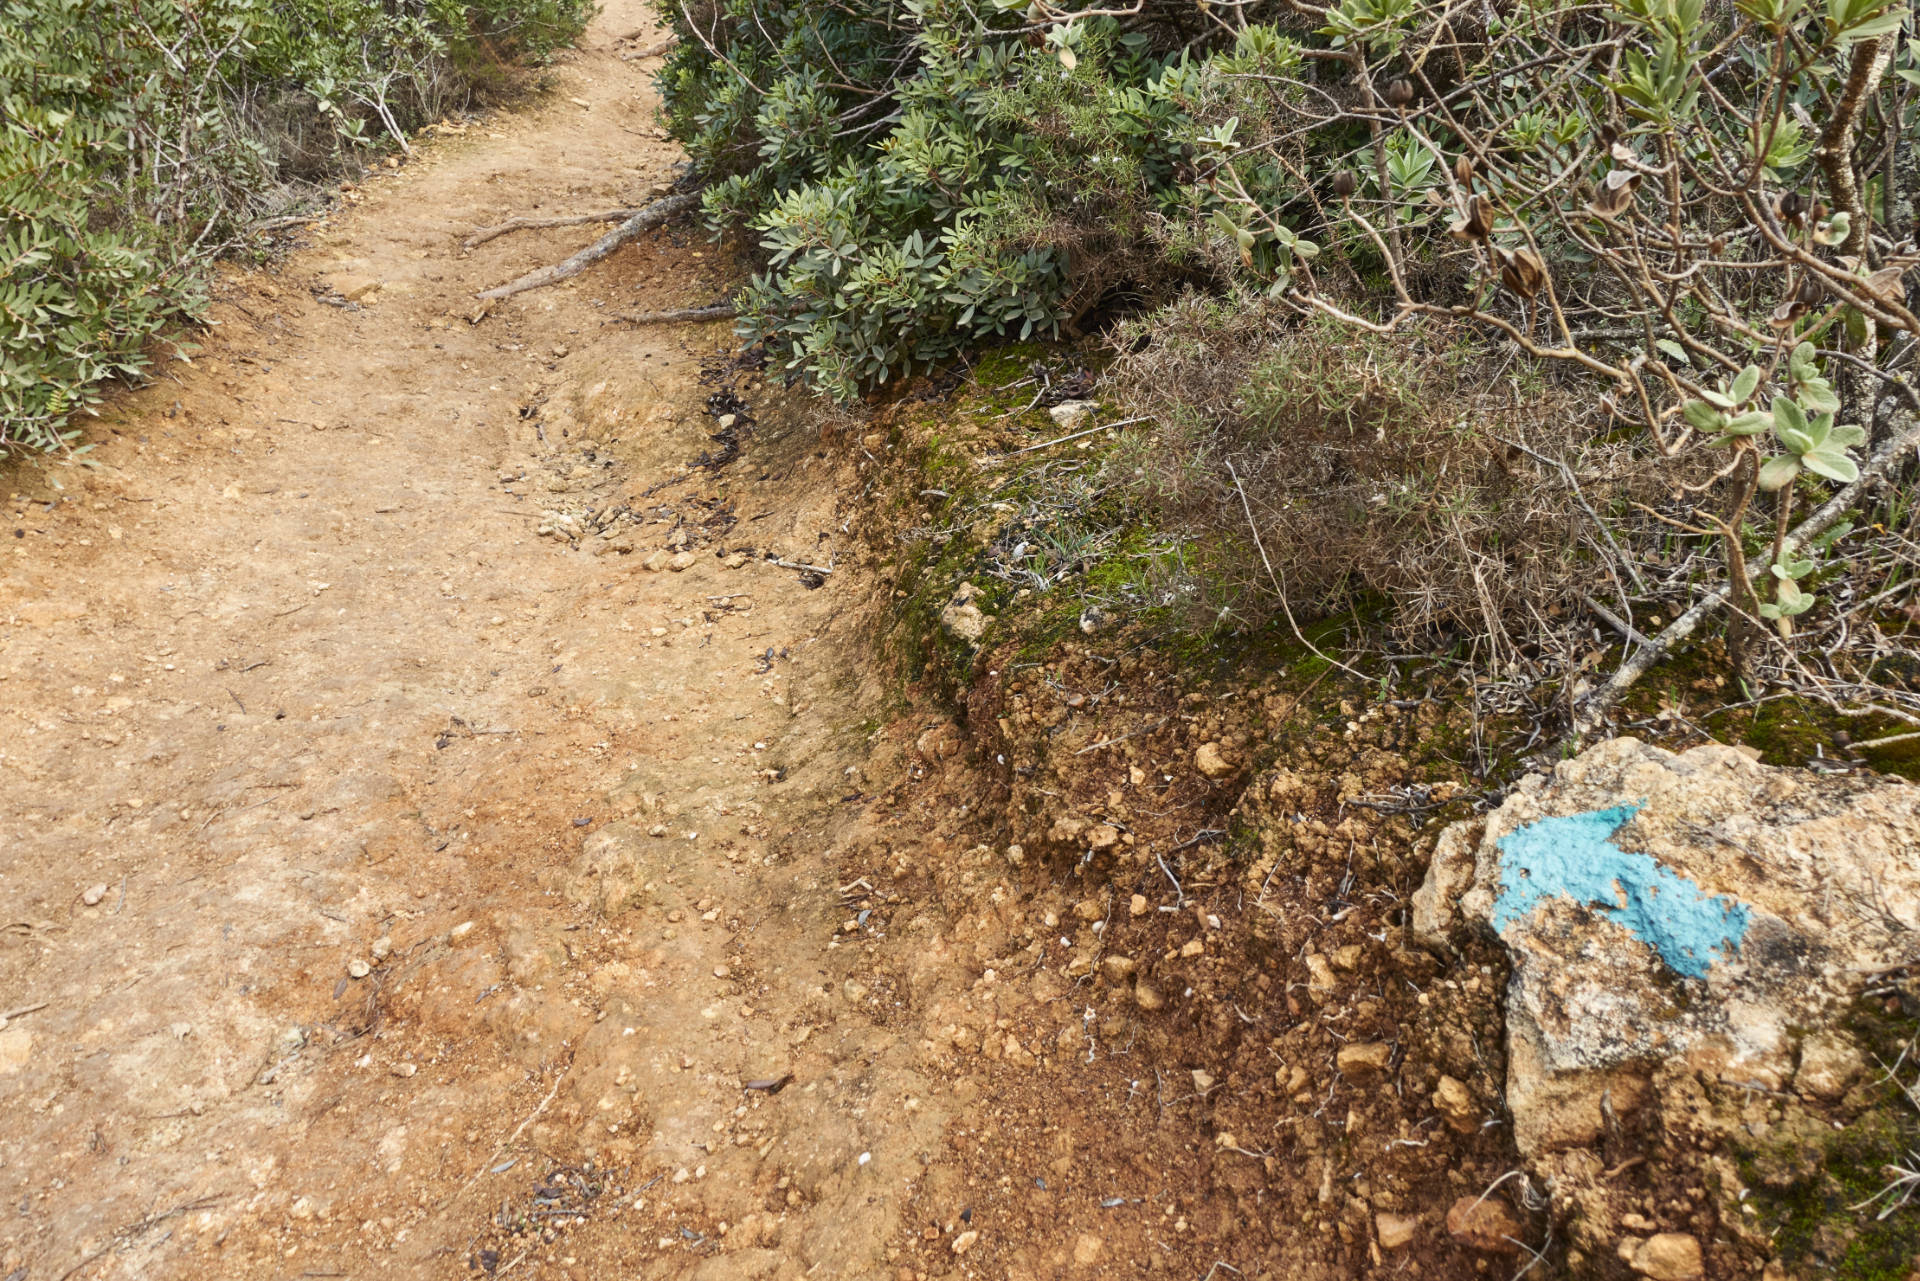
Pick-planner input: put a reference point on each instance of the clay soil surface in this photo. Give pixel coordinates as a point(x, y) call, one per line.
point(448, 831)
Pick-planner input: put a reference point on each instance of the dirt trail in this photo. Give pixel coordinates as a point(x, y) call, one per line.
point(292, 675)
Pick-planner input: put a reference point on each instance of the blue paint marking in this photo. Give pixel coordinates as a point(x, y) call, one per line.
point(1576, 857)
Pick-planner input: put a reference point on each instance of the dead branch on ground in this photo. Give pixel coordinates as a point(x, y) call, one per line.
point(484, 234)
point(675, 316)
point(633, 228)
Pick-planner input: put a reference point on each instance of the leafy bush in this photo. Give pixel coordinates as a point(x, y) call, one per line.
point(138, 139)
point(923, 175)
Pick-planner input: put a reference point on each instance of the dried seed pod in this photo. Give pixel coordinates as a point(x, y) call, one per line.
point(1463, 170)
point(1399, 92)
point(1345, 184)
point(1476, 223)
point(1521, 271)
point(1885, 285)
point(1810, 293)
point(1615, 195)
point(1479, 217)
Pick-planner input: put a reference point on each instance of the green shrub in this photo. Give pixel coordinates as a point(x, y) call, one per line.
point(923, 174)
point(137, 140)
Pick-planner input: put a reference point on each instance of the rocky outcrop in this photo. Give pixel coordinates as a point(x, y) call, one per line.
point(1677, 924)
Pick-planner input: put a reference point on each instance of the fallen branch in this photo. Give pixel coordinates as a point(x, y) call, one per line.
point(784, 563)
point(485, 234)
point(678, 315)
point(1646, 657)
point(638, 225)
point(278, 224)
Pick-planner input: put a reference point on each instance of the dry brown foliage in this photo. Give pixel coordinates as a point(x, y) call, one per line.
point(1415, 468)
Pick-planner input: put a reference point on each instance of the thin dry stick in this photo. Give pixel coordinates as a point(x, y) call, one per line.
point(676, 316)
point(633, 228)
point(997, 459)
point(1285, 608)
point(511, 1139)
point(484, 234)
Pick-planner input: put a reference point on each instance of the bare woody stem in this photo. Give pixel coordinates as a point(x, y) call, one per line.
point(1835, 153)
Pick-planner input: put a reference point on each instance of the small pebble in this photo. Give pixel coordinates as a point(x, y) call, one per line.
point(382, 948)
point(405, 1069)
point(93, 895)
point(359, 969)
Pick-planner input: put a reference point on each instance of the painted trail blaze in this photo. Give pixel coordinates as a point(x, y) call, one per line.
point(1576, 857)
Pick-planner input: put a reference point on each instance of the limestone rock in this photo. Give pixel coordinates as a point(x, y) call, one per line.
point(1321, 984)
point(1829, 1064)
point(609, 871)
point(1674, 916)
point(961, 616)
point(1661, 907)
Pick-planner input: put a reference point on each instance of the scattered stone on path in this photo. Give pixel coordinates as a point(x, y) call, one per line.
point(1485, 1224)
point(1666, 1256)
point(1364, 1061)
point(352, 286)
point(93, 895)
point(1455, 1103)
point(1148, 997)
point(1209, 760)
point(1073, 414)
point(1394, 1230)
point(1137, 906)
point(382, 948)
point(681, 561)
point(964, 1242)
point(1829, 1064)
point(358, 968)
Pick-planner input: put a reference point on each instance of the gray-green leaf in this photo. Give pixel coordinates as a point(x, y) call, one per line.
point(1778, 472)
